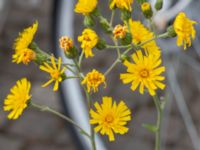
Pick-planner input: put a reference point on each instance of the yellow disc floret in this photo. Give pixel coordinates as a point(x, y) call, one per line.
point(110, 117)
point(18, 99)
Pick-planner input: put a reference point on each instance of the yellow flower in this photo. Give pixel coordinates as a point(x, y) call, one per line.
point(66, 43)
point(141, 34)
point(110, 117)
point(18, 99)
point(145, 72)
point(55, 71)
point(120, 31)
point(122, 4)
point(184, 29)
point(93, 79)
point(21, 47)
point(85, 6)
point(88, 40)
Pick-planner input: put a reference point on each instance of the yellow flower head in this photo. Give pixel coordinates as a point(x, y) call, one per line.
point(110, 117)
point(141, 34)
point(66, 43)
point(55, 71)
point(122, 4)
point(88, 40)
point(17, 100)
point(85, 6)
point(145, 72)
point(184, 29)
point(22, 51)
point(93, 79)
point(120, 31)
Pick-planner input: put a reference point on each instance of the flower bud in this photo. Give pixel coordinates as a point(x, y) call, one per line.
point(127, 39)
point(88, 21)
point(67, 45)
point(125, 15)
point(147, 10)
point(141, 1)
point(159, 5)
point(101, 44)
point(171, 32)
point(120, 31)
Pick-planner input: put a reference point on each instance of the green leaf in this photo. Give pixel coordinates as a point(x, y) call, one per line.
point(150, 127)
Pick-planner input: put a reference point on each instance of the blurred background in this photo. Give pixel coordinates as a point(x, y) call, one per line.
point(36, 130)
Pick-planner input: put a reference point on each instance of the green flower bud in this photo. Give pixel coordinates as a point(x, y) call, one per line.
point(171, 32)
point(71, 52)
point(127, 39)
point(88, 21)
point(101, 44)
point(159, 5)
point(141, 1)
point(125, 15)
point(147, 10)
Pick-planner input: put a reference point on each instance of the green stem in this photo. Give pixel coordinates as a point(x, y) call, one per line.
point(154, 38)
point(81, 58)
point(114, 46)
point(72, 77)
point(112, 66)
point(49, 110)
point(112, 17)
point(158, 124)
point(117, 61)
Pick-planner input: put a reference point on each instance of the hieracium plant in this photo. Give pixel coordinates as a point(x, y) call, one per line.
point(136, 49)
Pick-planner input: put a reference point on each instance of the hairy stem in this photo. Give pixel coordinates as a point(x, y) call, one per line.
point(49, 110)
point(158, 124)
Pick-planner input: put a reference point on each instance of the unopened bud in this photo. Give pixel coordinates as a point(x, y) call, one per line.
point(88, 21)
point(67, 45)
point(171, 32)
point(101, 44)
point(120, 31)
point(127, 39)
point(125, 15)
point(147, 10)
point(159, 5)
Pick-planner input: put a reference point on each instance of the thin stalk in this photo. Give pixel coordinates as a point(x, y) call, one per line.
point(73, 77)
point(154, 38)
point(116, 61)
point(112, 66)
point(158, 124)
point(49, 110)
point(80, 58)
point(112, 17)
point(114, 46)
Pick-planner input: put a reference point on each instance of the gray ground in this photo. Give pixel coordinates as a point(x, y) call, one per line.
point(41, 131)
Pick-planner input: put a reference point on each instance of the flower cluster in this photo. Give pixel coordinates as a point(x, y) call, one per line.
point(136, 48)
